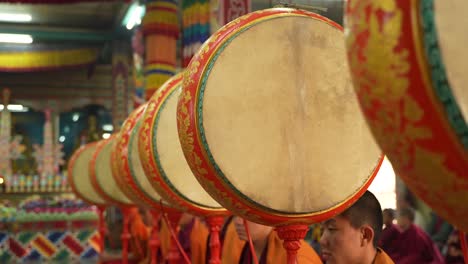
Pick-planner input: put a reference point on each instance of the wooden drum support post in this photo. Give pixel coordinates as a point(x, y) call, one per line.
point(215, 224)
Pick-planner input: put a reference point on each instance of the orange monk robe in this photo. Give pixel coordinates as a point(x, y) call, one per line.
point(232, 246)
point(382, 258)
point(198, 238)
point(277, 254)
point(139, 235)
point(165, 239)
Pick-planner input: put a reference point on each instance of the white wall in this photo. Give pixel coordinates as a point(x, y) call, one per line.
point(383, 186)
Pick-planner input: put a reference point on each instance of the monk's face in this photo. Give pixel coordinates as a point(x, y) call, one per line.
point(404, 222)
point(341, 243)
point(257, 232)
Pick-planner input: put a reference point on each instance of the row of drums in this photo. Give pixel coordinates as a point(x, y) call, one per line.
point(265, 122)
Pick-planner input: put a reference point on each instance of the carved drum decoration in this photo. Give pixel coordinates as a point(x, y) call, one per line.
point(269, 122)
point(409, 63)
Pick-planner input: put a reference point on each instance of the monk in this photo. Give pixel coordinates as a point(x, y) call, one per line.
point(352, 236)
point(390, 234)
point(268, 247)
point(192, 237)
point(414, 245)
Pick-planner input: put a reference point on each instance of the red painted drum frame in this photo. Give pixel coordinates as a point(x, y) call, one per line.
point(396, 70)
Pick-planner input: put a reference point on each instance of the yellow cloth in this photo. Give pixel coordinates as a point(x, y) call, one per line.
point(232, 246)
point(198, 243)
point(165, 238)
point(382, 258)
point(277, 254)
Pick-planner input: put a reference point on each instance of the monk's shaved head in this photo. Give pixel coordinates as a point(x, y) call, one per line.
point(366, 211)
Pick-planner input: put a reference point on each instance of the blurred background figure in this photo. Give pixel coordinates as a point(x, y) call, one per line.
point(390, 233)
point(439, 230)
point(414, 245)
point(454, 253)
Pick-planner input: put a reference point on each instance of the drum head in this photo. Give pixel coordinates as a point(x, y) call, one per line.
point(101, 173)
point(173, 177)
point(271, 108)
point(79, 178)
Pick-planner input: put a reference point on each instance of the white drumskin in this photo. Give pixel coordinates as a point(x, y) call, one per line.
point(451, 22)
point(104, 175)
point(281, 118)
point(172, 158)
point(81, 177)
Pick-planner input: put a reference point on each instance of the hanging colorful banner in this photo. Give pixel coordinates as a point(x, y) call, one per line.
point(30, 61)
point(196, 27)
point(161, 30)
point(232, 9)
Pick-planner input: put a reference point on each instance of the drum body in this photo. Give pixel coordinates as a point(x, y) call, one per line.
point(408, 62)
point(120, 169)
point(162, 155)
point(79, 178)
point(131, 176)
point(262, 119)
point(100, 170)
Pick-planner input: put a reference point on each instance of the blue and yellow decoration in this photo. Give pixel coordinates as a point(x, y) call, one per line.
point(196, 27)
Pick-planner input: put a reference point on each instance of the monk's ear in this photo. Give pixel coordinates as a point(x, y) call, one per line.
point(367, 235)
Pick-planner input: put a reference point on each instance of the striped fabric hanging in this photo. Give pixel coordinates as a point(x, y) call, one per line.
point(161, 29)
point(196, 26)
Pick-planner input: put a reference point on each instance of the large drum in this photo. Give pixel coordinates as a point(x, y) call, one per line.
point(100, 169)
point(409, 65)
point(269, 122)
point(162, 155)
point(79, 178)
point(127, 166)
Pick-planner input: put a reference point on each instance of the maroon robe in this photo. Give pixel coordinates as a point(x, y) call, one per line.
point(415, 246)
point(389, 239)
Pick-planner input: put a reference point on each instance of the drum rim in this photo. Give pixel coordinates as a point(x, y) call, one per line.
point(92, 164)
point(158, 177)
point(135, 183)
point(71, 165)
point(437, 73)
point(217, 184)
point(119, 168)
